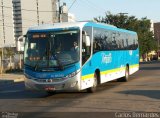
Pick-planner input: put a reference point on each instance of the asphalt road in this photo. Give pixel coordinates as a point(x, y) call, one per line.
point(140, 94)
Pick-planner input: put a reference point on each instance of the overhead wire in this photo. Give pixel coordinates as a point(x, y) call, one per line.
point(25, 19)
point(8, 16)
point(13, 26)
point(72, 4)
point(99, 7)
point(30, 10)
point(92, 5)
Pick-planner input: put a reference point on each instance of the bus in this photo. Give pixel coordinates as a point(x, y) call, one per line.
point(104, 53)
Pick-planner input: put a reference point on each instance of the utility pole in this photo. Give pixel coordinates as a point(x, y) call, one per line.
point(3, 36)
point(37, 11)
point(55, 14)
point(59, 14)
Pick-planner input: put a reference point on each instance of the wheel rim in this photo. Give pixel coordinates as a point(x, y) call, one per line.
point(95, 81)
point(127, 73)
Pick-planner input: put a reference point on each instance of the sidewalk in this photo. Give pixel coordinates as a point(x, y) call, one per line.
point(11, 78)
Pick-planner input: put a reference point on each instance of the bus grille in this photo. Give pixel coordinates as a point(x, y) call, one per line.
point(50, 80)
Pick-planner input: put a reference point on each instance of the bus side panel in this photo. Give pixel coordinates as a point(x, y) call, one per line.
point(134, 61)
point(109, 63)
point(88, 71)
point(112, 65)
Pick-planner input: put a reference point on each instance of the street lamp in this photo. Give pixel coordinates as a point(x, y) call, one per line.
point(59, 10)
point(122, 13)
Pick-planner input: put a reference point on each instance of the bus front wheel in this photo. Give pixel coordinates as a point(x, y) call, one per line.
point(94, 87)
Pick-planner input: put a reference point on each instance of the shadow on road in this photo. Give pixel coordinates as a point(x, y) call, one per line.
point(150, 62)
point(150, 65)
point(18, 92)
point(155, 94)
point(22, 94)
point(149, 68)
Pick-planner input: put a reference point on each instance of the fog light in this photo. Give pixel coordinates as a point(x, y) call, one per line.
point(74, 84)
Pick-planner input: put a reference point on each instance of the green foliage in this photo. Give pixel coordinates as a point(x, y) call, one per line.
point(147, 42)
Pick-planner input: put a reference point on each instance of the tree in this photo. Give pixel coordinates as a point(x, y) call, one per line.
point(147, 42)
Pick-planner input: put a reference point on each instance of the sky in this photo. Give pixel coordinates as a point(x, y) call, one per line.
point(83, 10)
point(89, 9)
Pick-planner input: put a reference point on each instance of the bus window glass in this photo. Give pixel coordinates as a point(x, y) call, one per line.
point(86, 50)
point(52, 49)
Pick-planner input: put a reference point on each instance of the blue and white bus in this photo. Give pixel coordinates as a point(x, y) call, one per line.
point(103, 53)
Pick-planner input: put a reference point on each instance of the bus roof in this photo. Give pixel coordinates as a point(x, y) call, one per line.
point(63, 25)
point(66, 25)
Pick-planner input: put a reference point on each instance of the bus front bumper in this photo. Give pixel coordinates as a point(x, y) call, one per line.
point(70, 84)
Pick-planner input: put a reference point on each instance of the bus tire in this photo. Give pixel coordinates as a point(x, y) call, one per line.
point(126, 77)
point(94, 87)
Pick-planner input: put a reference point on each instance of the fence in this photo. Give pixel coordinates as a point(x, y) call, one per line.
point(11, 64)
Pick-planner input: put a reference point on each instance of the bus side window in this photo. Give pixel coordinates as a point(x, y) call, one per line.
point(136, 42)
point(127, 42)
point(95, 41)
point(114, 44)
point(86, 50)
point(109, 40)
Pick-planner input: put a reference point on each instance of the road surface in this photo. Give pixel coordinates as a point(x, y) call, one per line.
point(140, 94)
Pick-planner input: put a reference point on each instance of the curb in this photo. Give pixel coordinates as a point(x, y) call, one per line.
point(4, 82)
point(19, 80)
point(11, 80)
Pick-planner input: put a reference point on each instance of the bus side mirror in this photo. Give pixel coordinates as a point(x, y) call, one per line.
point(87, 41)
point(20, 42)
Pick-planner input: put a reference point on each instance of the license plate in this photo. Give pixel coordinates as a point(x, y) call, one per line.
point(49, 88)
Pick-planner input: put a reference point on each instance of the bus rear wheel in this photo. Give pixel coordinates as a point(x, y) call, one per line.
point(126, 77)
point(94, 87)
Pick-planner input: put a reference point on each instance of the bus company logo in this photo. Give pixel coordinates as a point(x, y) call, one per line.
point(59, 75)
point(40, 75)
point(106, 58)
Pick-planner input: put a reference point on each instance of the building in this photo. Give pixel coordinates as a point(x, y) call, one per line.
point(68, 17)
point(157, 33)
point(16, 16)
point(39, 12)
point(6, 23)
point(17, 19)
point(65, 16)
point(152, 26)
point(19, 15)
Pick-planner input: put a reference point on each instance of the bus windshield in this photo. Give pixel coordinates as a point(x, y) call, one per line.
point(49, 50)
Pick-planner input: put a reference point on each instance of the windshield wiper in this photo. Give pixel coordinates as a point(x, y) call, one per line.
point(36, 65)
point(60, 65)
point(28, 65)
